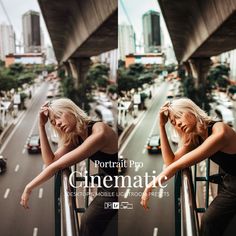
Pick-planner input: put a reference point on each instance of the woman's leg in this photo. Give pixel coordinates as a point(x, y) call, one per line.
point(97, 217)
point(220, 212)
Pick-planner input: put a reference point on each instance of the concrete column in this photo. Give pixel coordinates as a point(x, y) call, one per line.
point(79, 68)
point(200, 68)
point(67, 69)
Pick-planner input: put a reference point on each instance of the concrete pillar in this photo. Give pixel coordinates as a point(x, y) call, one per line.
point(67, 69)
point(79, 68)
point(200, 68)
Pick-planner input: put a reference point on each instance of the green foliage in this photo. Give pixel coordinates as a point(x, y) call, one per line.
point(98, 75)
point(7, 82)
point(135, 69)
point(2, 64)
point(16, 69)
point(121, 63)
point(27, 78)
point(81, 96)
point(113, 88)
point(218, 76)
point(232, 89)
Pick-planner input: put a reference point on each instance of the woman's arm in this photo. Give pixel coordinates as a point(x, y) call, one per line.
point(211, 145)
point(92, 144)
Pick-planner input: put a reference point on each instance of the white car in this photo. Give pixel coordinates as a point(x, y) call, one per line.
point(225, 102)
point(105, 102)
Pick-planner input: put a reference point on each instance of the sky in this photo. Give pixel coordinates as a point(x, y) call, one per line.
point(135, 9)
point(15, 10)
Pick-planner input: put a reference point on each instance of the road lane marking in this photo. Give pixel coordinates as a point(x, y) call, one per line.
point(32, 129)
point(23, 151)
point(137, 168)
point(6, 193)
point(35, 232)
point(155, 231)
point(127, 193)
point(41, 193)
point(160, 193)
point(17, 168)
point(144, 150)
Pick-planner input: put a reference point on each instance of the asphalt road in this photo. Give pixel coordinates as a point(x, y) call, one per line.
point(22, 168)
point(159, 219)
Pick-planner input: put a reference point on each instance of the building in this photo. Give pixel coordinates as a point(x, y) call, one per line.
point(109, 58)
point(229, 58)
point(151, 32)
point(31, 32)
point(126, 40)
point(7, 40)
point(50, 55)
point(146, 59)
point(28, 59)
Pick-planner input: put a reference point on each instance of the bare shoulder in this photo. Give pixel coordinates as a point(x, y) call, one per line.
point(108, 136)
point(104, 129)
point(223, 130)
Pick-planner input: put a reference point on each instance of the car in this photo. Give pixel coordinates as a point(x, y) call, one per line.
point(105, 102)
point(174, 136)
point(153, 144)
point(33, 144)
point(104, 114)
point(225, 102)
point(225, 114)
point(3, 164)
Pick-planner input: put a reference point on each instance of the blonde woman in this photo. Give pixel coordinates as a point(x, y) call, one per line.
point(201, 138)
point(79, 138)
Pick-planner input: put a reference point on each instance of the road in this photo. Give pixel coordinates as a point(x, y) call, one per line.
point(159, 219)
point(22, 168)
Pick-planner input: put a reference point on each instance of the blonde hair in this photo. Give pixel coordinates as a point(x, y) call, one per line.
point(61, 105)
point(185, 105)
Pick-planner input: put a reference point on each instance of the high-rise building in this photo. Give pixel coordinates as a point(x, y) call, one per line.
point(31, 32)
point(151, 31)
point(7, 40)
point(126, 40)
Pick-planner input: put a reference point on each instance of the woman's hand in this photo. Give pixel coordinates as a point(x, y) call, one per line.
point(146, 195)
point(43, 114)
point(163, 114)
point(25, 198)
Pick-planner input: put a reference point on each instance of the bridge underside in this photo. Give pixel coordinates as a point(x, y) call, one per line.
point(200, 28)
point(80, 28)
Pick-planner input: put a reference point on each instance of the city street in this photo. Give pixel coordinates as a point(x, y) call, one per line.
point(159, 219)
point(22, 168)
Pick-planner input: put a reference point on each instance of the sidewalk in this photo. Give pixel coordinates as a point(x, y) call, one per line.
point(12, 121)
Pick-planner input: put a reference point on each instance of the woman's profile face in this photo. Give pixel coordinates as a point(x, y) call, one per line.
point(185, 123)
point(65, 122)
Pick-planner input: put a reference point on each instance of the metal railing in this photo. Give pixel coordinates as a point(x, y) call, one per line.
point(66, 219)
point(189, 219)
point(186, 219)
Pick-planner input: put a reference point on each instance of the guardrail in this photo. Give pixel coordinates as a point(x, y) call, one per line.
point(186, 219)
point(66, 219)
point(189, 219)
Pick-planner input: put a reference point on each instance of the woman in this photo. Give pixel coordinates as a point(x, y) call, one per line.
point(201, 138)
point(79, 138)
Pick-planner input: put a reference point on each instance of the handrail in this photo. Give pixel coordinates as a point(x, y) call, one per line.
point(189, 218)
point(66, 219)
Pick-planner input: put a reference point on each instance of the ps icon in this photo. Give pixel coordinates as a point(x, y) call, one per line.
point(108, 205)
point(115, 205)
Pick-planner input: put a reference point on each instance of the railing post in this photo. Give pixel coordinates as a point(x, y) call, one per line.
point(57, 203)
point(177, 204)
point(87, 189)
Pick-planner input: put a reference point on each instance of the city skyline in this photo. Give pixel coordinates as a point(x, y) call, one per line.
point(15, 15)
point(135, 10)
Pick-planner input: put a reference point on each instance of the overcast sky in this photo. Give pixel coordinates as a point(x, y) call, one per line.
point(15, 10)
point(135, 9)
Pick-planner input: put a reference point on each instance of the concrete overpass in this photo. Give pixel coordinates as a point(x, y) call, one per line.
point(80, 29)
point(200, 29)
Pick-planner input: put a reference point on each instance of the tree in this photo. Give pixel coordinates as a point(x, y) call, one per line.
point(218, 76)
point(7, 82)
point(27, 78)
